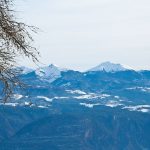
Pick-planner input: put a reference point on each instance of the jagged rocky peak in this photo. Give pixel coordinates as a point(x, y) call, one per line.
point(48, 70)
point(50, 73)
point(110, 67)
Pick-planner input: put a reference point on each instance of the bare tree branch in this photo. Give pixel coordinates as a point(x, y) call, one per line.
point(15, 40)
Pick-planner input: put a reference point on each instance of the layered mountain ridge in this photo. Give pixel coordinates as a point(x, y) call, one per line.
point(104, 108)
point(53, 72)
point(108, 84)
point(105, 66)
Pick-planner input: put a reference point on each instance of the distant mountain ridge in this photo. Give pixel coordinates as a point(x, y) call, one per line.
point(54, 69)
point(52, 72)
point(110, 67)
point(104, 108)
point(53, 83)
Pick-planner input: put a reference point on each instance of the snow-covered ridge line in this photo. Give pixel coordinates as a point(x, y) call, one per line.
point(105, 66)
point(140, 108)
point(49, 73)
point(110, 67)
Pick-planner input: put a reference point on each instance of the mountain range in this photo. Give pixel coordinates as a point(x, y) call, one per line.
point(106, 107)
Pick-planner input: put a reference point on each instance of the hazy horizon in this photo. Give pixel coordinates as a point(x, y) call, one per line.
point(80, 34)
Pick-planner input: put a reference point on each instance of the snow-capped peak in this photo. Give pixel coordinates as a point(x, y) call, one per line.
point(49, 73)
point(110, 67)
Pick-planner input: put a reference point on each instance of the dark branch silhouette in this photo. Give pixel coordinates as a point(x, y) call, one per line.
point(15, 41)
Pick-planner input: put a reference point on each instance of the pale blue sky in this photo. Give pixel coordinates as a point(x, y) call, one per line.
point(80, 34)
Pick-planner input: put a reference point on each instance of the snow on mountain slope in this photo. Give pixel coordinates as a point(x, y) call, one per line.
point(110, 67)
point(49, 73)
